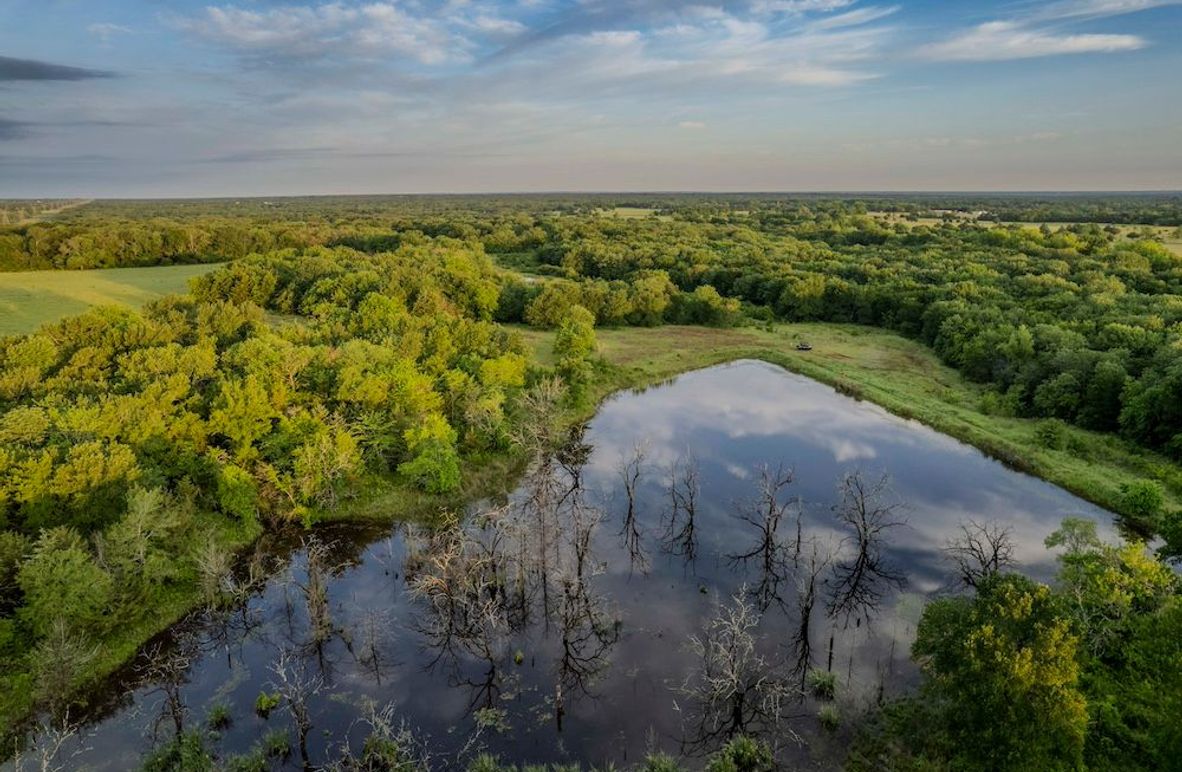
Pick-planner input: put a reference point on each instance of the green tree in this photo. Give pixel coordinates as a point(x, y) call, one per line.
point(61, 580)
point(575, 338)
point(435, 464)
point(1003, 666)
point(1105, 587)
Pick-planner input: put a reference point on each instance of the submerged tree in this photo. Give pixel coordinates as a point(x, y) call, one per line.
point(315, 590)
point(297, 686)
point(734, 690)
point(166, 668)
point(814, 561)
point(980, 552)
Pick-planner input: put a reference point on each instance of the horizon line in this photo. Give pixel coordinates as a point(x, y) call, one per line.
point(608, 192)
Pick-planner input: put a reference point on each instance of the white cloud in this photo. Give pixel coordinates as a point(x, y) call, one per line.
point(1002, 40)
point(692, 125)
point(339, 30)
point(104, 31)
point(797, 7)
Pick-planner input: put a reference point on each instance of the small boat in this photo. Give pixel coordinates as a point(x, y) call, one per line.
point(804, 347)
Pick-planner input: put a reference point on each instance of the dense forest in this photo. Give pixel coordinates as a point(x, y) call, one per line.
point(355, 343)
point(1077, 323)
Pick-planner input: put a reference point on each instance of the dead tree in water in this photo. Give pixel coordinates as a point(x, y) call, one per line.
point(734, 689)
point(862, 580)
point(167, 669)
point(980, 551)
point(46, 754)
point(297, 686)
point(374, 629)
point(770, 554)
point(684, 488)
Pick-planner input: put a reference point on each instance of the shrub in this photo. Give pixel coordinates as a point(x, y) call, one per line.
point(742, 754)
point(822, 683)
point(219, 717)
point(186, 752)
point(265, 703)
point(660, 762)
point(1143, 501)
point(1051, 434)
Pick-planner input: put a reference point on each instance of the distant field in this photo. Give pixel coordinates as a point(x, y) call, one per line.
point(635, 212)
point(31, 298)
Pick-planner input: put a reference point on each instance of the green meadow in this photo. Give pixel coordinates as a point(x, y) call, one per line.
point(29, 299)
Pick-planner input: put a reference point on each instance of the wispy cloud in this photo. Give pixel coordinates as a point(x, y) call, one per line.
point(332, 29)
point(855, 17)
point(104, 31)
point(30, 69)
point(1070, 9)
point(270, 94)
point(952, 143)
point(1002, 40)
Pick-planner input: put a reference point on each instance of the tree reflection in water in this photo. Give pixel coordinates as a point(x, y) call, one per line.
point(771, 556)
point(684, 489)
point(630, 471)
point(863, 579)
point(483, 584)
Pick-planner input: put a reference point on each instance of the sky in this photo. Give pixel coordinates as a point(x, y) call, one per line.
point(147, 98)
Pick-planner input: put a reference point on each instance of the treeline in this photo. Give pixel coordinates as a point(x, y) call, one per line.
point(17, 211)
point(110, 234)
point(120, 244)
point(137, 448)
point(1073, 323)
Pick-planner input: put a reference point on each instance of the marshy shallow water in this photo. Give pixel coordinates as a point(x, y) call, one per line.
point(561, 625)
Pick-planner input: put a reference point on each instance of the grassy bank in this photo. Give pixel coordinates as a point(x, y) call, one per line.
point(902, 376)
point(29, 299)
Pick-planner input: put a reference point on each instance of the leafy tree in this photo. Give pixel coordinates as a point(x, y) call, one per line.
point(434, 463)
point(1107, 587)
point(575, 338)
point(1003, 666)
point(237, 492)
point(61, 580)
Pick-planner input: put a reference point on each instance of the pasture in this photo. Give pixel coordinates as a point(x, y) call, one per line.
point(29, 299)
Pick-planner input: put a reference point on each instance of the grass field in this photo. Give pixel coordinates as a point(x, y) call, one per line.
point(31, 298)
point(902, 376)
point(635, 213)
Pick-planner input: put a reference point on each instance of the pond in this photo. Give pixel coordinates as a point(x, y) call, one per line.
point(593, 615)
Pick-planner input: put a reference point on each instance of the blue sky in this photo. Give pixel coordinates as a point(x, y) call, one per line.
point(255, 97)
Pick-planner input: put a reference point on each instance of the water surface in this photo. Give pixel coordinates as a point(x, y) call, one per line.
point(556, 626)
